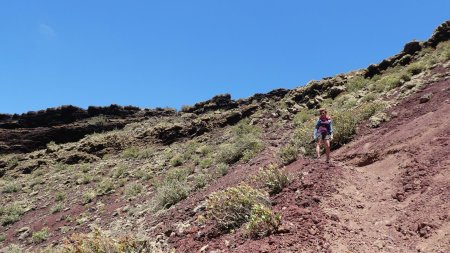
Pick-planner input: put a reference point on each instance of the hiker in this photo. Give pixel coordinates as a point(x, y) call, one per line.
point(323, 132)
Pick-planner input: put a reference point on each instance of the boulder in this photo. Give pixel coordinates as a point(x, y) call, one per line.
point(335, 91)
point(412, 47)
point(425, 98)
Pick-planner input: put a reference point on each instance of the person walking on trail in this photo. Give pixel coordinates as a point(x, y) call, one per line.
point(323, 133)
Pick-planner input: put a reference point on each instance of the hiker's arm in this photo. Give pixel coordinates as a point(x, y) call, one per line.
point(331, 129)
point(315, 130)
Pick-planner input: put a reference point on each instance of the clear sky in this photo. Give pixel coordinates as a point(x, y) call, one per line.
point(174, 53)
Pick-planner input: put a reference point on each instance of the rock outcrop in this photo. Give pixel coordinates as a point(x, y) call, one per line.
point(33, 130)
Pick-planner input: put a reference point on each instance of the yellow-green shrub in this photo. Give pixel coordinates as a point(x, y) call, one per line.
point(244, 143)
point(40, 236)
point(272, 178)
point(232, 207)
point(288, 154)
point(10, 213)
point(344, 126)
point(263, 221)
point(100, 242)
point(172, 188)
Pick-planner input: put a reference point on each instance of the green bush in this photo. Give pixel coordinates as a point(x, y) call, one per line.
point(172, 188)
point(443, 50)
point(263, 221)
point(88, 196)
point(58, 207)
point(119, 171)
point(11, 187)
point(243, 143)
point(302, 117)
point(369, 97)
point(367, 110)
point(415, 68)
point(11, 213)
point(83, 179)
point(222, 169)
point(106, 186)
point(60, 196)
point(200, 181)
point(40, 236)
point(101, 242)
point(344, 126)
point(2, 237)
point(288, 154)
point(206, 162)
point(356, 83)
point(100, 120)
point(131, 152)
point(133, 190)
point(301, 140)
point(272, 178)
point(177, 160)
point(245, 148)
point(232, 207)
point(229, 153)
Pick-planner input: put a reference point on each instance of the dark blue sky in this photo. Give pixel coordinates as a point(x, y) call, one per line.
point(173, 53)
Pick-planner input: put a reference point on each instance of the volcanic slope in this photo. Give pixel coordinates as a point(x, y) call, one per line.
point(181, 181)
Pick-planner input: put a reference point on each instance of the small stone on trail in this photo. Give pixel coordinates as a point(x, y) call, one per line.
point(425, 98)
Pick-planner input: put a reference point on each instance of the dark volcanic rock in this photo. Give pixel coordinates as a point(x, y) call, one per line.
point(33, 130)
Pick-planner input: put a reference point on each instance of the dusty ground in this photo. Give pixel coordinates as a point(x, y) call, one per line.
point(393, 193)
point(387, 191)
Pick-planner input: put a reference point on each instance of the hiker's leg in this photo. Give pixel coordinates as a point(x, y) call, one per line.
point(319, 142)
point(327, 149)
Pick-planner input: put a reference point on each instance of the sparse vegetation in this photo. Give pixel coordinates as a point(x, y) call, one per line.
point(232, 207)
point(244, 143)
point(222, 169)
point(119, 171)
point(10, 213)
point(88, 196)
point(356, 83)
point(11, 187)
point(272, 178)
point(40, 236)
point(106, 186)
point(131, 152)
point(177, 160)
point(100, 120)
point(58, 207)
point(99, 241)
point(60, 196)
point(263, 221)
point(2, 237)
point(172, 188)
point(133, 190)
point(288, 154)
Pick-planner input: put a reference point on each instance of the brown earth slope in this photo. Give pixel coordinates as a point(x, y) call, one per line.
point(386, 189)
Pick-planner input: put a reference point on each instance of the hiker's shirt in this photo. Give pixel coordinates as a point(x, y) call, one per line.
point(323, 127)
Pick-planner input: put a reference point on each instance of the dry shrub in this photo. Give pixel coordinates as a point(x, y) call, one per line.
point(272, 178)
point(263, 221)
point(172, 188)
point(101, 242)
point(230, 208)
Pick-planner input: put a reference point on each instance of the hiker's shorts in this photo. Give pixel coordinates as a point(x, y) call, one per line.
point(324, 137)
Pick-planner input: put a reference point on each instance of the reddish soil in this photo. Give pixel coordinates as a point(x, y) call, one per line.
point(387, 191)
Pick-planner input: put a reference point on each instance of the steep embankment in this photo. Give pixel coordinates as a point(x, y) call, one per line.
point(161, 177)
point(393, 192)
